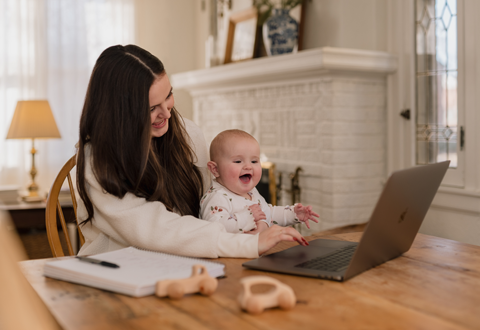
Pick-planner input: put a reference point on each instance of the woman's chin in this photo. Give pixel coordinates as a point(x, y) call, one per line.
point(156, 133)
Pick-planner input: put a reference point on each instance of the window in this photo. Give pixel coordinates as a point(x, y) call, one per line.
point(437, 132)
point(47, 51)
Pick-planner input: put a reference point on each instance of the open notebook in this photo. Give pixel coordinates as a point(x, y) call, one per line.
point(137, 275)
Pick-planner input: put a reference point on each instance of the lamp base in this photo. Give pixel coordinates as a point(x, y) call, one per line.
point(33, 199)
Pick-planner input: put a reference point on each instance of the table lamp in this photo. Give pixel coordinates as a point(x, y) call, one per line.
point(33, 120)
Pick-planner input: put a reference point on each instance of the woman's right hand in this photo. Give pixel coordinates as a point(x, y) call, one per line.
point(275, 234)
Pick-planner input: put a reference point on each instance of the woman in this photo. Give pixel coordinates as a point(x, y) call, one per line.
point(141, 169)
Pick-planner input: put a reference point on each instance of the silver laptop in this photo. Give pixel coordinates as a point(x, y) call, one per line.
point(392, 227)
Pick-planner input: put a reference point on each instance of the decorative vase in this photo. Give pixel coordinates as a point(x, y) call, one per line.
point(280, 33)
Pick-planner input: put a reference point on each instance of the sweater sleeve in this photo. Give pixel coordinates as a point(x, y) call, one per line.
point(218, 208)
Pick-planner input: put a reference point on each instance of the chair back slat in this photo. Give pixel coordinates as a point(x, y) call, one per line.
point(74, 202)
point(72, 194)
point(64, 228)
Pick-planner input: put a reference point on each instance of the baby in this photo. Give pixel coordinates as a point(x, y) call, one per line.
point(233, 199)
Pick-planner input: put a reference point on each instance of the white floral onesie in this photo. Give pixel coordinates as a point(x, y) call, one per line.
point(221, 205)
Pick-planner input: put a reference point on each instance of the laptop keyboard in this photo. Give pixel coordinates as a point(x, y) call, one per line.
point(332, 262)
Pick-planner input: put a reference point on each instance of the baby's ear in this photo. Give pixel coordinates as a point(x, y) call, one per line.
point(212, 166)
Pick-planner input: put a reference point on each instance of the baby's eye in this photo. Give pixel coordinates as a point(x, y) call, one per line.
point(237, 161)
point(254, 161)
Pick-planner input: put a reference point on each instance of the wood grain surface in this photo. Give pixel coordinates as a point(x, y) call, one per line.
point(435, 285)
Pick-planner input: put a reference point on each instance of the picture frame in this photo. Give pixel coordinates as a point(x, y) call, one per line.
point(267, 187)
point(241, 37)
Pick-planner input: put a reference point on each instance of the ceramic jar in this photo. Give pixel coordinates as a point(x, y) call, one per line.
point(280, 33)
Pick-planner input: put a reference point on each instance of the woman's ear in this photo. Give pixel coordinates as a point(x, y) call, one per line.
point(212, 166)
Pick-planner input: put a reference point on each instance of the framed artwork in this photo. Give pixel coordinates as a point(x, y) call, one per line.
point(267, 187)
point(241, 38)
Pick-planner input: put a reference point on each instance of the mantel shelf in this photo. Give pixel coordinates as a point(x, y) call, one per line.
point(307, 63)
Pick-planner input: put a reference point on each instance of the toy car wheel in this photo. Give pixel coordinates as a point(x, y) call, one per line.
point(285, 301)
point(254, 306)
point(208, 286)
point(175, 291)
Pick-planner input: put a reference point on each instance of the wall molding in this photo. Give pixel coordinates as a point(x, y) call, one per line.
point(457, 200)
point(306, 63)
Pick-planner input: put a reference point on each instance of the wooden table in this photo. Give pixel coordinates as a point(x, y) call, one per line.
point(435, 285)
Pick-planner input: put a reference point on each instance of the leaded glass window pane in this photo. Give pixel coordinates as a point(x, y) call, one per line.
point(436, 81)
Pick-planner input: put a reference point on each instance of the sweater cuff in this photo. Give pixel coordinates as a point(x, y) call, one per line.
point(268, 223)
point(237, 245)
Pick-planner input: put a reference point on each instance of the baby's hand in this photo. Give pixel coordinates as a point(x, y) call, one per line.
point(261, 226)
point(305, 213)
point(257, 212)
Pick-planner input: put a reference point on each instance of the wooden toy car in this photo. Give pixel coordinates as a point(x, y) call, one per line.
point(280, 295)
point(200, 281)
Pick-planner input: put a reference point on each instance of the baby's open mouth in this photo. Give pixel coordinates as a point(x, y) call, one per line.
point(246, 178)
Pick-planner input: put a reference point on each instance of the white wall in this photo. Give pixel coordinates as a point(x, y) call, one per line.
point(169, 30)
point(359, 24)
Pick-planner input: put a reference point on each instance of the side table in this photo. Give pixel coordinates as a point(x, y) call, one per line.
point(29, 220)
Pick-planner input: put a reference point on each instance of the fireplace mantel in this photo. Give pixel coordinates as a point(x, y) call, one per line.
point(307, 63)
point(323, 110)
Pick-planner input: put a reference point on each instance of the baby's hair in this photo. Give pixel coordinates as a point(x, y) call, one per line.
point(219, 141)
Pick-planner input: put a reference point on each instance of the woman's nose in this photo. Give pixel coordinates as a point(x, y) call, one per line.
point(165, 113)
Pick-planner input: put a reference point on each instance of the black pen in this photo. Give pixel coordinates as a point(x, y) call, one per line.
point(98, 262)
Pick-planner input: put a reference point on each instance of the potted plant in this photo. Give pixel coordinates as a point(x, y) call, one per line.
point(279, 29)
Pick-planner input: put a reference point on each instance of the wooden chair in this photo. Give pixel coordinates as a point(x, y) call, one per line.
point(53, 208)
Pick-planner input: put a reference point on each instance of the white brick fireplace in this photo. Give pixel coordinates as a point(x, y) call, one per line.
point(322, 109)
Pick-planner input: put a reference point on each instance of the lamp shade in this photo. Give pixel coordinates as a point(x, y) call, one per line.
point(33, 119)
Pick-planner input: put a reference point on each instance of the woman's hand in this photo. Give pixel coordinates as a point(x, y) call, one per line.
point(275, 234)
point(305, 213)
point(257, 212)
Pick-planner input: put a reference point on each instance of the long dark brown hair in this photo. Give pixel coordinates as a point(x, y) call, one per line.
point(116, 123)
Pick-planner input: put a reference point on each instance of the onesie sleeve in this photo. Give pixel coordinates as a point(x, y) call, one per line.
point(283, 215)
point(217, 207)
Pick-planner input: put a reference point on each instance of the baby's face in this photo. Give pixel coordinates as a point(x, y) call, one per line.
point(239, 167)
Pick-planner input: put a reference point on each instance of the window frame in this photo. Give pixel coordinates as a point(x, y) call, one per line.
point(405, 98)
point(460, 190)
